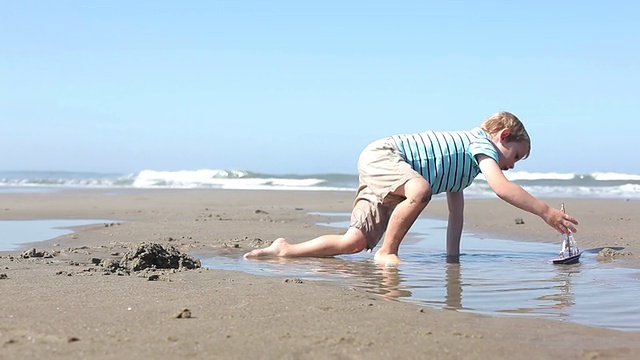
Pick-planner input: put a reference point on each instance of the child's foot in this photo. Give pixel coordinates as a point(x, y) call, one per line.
point(276, 248)
point(386, 259)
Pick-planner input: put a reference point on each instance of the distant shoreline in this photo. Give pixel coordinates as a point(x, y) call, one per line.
point(597, 185)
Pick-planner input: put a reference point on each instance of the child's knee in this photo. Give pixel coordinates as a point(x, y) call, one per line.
point(359, 246)
point(355, 241)
point(419, 190)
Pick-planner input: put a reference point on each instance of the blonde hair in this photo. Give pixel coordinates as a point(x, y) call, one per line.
point(506, 120)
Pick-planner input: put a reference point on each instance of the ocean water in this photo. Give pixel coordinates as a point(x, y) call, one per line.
point(594, 185)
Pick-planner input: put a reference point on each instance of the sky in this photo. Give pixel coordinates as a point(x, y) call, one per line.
point(284, 87)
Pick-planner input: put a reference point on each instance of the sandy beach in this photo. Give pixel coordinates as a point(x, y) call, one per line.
point(66, 304)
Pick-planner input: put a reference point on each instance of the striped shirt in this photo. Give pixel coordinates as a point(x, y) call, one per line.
point(446, 159)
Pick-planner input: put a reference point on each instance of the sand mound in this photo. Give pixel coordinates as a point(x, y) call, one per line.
point(609, 254)
point(155, 256)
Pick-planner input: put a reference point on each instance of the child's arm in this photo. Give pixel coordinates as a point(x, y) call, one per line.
point(455, 202)
point(518, 197)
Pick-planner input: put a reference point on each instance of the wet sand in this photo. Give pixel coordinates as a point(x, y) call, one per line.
point(69, 306)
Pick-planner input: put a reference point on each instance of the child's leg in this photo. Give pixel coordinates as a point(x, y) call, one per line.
point(418, 194)
point(352, 241)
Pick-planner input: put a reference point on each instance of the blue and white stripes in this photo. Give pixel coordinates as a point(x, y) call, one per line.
point(446, 159)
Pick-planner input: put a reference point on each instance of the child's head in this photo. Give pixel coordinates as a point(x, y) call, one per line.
point(506, 120)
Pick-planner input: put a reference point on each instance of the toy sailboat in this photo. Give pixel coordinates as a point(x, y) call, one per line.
point(570, 253)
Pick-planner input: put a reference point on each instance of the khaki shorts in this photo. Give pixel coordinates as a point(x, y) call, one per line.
point(382, 170)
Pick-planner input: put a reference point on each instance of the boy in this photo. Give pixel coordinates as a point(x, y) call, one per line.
point(399, 174)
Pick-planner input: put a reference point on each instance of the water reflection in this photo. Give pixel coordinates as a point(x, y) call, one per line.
point(385, 281)
point(453, 297)
point(563, 297)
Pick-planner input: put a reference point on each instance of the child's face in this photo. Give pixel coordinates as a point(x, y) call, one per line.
point(510, 153)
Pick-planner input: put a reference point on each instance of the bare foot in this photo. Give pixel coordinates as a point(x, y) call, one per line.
point(386, 259)
point(276, 248)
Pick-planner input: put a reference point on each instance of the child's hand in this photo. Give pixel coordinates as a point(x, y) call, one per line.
point(560, 221)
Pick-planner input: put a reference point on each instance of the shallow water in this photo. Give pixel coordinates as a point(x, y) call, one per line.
point(14, 234)
point(496, 277)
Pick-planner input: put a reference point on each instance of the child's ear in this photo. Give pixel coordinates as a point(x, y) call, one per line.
point(504, 134)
